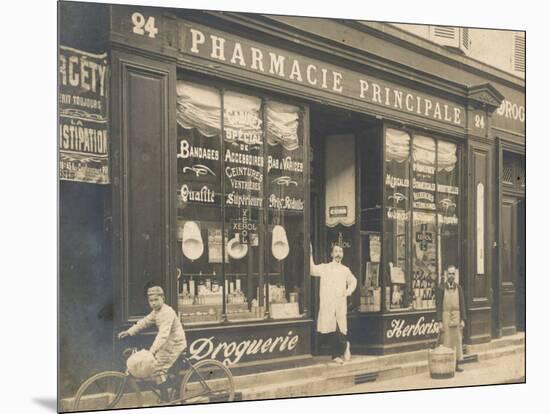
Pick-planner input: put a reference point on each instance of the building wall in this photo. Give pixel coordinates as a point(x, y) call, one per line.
point(481, 45)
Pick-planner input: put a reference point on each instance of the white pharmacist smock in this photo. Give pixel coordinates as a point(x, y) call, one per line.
point(337, 283)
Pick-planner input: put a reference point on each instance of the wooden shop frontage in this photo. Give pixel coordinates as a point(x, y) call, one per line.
point(232, 141)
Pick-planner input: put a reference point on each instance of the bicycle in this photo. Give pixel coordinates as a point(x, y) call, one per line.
point(203, 382)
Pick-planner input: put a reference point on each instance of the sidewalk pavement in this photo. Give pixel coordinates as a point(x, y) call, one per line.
point(505, 369)
point(497, 361)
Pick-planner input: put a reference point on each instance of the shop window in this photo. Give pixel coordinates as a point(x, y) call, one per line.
point(424, 256)
point(240, 206)
point(370, 286)
point(398, 219)
point(285, 205)
point(448, 200)
point(421, 211)
point(199, 204)
point(513, 170)
point(508, 169)
point(243, 149)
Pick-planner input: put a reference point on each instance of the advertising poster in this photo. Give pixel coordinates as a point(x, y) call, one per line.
point(83, 124)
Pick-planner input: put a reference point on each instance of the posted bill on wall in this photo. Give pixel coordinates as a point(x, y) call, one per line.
point(83, 123)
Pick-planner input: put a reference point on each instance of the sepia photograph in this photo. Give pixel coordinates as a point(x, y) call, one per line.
point(257, 206)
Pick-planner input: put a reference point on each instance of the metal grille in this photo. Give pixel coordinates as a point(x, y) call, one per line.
point(508, 169)
point(366, 377)
point(521, 172)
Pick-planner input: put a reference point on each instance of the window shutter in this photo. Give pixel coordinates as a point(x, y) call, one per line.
point(445, 35)
point(465, 38)
point(518, 57)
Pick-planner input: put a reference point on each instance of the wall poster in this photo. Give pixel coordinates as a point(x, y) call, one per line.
point(83, 124)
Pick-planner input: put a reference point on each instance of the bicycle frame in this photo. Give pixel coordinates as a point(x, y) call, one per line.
point(177, 384)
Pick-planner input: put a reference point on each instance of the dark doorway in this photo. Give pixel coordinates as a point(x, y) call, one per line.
point(511, 309)
point(330, 123)
point(520, 279)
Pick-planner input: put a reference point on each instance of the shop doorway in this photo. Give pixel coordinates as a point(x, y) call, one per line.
point(512, 265)
point(521, 259)
point(342, 143)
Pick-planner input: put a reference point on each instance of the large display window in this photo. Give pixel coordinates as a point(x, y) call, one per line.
point(241, 206)
point(421, 238)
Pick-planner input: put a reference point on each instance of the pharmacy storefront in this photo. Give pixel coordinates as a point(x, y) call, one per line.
point(234, 144)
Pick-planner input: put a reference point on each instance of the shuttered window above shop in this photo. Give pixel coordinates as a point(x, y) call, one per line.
point(457, 37)
point(445, 35)
point(518, 56)
point(465, 38)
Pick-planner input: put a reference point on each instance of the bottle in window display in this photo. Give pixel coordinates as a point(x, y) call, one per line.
point(192, 287)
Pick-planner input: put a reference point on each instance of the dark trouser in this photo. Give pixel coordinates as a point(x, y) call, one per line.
point(338, 343)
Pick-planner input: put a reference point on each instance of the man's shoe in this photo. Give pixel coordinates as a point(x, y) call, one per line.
point(338, 361)
point(459, 368)
point(347, 353)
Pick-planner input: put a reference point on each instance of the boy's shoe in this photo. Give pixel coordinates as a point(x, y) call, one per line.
point(164, 395)
point(338, 361)
point(347, 353)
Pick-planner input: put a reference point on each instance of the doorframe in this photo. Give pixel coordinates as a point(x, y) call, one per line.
point(521, 268)
point(502, 145)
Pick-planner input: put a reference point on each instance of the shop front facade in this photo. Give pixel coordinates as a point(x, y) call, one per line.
point(238, 144)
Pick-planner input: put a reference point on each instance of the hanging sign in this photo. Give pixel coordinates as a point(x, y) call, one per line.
point(338, 211)
point(424, 237)
point(83, 126)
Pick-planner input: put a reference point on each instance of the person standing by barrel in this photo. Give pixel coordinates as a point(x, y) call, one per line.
point(451, 314)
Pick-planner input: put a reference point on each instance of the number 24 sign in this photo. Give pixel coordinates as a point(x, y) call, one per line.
point(143, 25)
point(479, 121)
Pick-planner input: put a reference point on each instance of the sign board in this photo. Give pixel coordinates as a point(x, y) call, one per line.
point(411, 327)
point(83, 126)
point(510, 115)
point(247, 344)
point(338, 211)
point(148, 29)
point(340, 180)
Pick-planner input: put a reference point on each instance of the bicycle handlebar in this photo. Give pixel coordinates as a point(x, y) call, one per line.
point(128, 351)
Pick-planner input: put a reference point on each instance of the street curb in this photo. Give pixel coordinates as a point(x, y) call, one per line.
point(327, 378)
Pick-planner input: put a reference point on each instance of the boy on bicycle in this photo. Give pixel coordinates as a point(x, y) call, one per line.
point(170, 340)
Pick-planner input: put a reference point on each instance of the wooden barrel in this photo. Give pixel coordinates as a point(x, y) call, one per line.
point(442, 362)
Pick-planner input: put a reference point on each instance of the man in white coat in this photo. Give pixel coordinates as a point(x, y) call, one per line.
point(336, 284)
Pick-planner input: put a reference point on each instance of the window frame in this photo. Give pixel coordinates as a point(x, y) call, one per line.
point(222, 86)
point(460, 208)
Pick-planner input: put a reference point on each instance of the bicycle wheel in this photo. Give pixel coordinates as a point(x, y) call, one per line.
point(207, 381)
point(107, 390)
